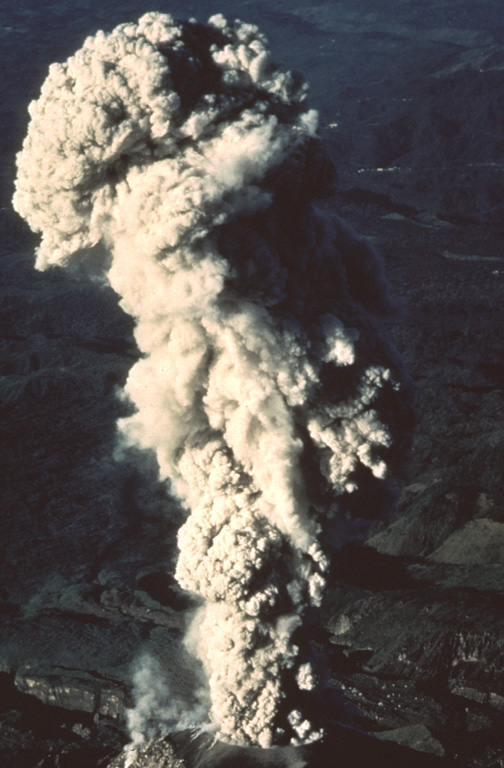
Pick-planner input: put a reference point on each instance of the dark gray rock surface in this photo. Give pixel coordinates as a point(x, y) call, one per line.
point(413, 626)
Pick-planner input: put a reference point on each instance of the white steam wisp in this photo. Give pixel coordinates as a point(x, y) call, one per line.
point(265, 388)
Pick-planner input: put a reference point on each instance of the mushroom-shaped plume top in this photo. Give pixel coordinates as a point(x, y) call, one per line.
point(156, 89)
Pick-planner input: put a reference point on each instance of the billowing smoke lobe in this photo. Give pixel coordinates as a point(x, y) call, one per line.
point(265, 387)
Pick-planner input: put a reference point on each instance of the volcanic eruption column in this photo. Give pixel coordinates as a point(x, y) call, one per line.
point(265, 388)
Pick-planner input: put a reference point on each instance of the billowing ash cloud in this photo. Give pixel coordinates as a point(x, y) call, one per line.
point(265, 388)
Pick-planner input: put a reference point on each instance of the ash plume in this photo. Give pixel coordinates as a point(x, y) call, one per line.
point(266, 389)
point(159, 709)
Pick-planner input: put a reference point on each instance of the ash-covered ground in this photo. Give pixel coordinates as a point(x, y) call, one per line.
point(411, 108)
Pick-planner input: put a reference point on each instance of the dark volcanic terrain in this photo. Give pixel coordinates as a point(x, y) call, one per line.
point(413, 622)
